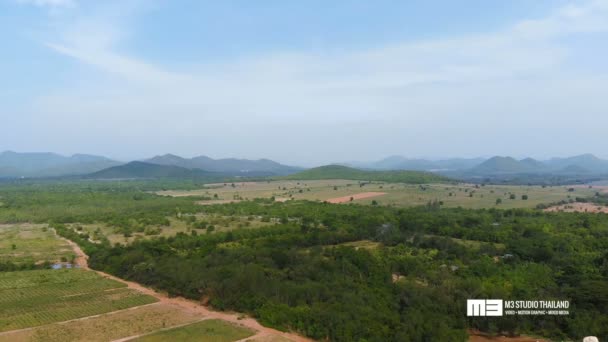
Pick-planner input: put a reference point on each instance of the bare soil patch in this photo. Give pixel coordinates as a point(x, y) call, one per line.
point(212, 202)
point(579, 208)
point(362, 195)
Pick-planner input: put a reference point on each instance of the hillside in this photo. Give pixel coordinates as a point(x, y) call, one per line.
point(14, 164)
point(136, 170)
point(344, 172)
point(403, 163)
point(501, 165)
point(243, 167)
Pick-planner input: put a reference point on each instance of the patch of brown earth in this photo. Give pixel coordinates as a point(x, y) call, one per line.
point(579, 208)
point(362, 195)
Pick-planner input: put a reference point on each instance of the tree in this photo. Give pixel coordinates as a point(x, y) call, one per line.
point(524, 197)
point(498, 201)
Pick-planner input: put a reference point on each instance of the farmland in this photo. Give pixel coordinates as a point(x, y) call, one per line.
point(31, 244)
point(107, 327)
point(396, 194)
point(33, 298)
point(205, 331)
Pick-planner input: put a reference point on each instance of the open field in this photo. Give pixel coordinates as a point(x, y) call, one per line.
point(400, 195)
point(218, 222)
point(107, 327)
point(205, 331)
point(33, 298)
point(29, 243)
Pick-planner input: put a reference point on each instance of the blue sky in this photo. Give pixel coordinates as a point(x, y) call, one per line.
point(304, 82)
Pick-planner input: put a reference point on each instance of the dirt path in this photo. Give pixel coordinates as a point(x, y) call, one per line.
point(191, 306)
point(362, 195)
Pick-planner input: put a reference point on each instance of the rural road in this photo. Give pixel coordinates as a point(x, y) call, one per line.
point(192, 306)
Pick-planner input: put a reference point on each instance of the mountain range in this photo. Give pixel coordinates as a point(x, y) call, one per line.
point(233, 166)
point(31, 165)
point(498, 165)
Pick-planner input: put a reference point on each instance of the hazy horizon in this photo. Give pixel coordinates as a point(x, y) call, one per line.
point(304, 83)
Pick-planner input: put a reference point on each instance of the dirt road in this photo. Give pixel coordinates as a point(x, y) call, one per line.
point(191, 306)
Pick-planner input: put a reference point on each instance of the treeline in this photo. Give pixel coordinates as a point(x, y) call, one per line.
point(298, 275)
point(344, 172)
point(87, 202)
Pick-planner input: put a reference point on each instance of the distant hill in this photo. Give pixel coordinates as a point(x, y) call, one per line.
point(403, 163)
point(588, 162)
point(584, 164)
point(14, 164)
point(344, 172)
point(141, 170)
point(498, 165)
point(242, 167)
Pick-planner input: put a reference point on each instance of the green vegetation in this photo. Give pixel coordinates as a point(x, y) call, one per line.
point(205, 331)
point(34, 298)
point(344, 172)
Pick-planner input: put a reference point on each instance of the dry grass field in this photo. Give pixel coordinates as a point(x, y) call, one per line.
point(396, 194)
point(30, 243)
point(219, 223)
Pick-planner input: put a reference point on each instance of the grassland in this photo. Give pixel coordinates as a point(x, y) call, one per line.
point(33, 298)
point(29, 243)
point(219, 223)
point(108, 327)
point(205, 331)
point(397, 194)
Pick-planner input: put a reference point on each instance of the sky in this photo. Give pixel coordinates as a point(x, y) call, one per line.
point(304, 82)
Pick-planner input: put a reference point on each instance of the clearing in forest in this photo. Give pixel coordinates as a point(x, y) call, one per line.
point(31, 244)
point(353, 197)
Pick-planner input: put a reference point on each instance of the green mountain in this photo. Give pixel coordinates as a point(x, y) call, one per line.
point(344, 172)
point(508, 165)
point(141, 170)
point(242, 167)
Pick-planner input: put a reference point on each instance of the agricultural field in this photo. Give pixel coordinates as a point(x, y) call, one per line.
point(32, 244)
point(34, 298)
point(205, 331)
point(395, 194)
point(107, 327)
